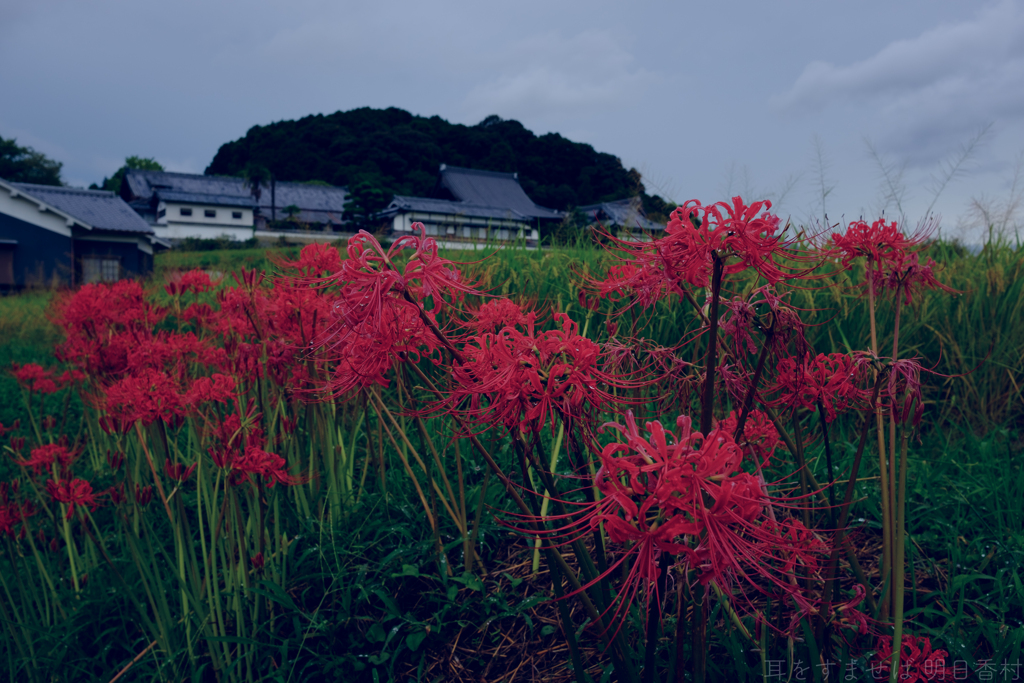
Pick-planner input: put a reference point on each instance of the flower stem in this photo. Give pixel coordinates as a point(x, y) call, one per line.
point(711, 361)
point(883, 470)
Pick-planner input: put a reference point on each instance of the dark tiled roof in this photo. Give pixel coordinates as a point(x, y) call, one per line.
point(211, 199)
point(623, 212)
point(489, 188)
point(448, 207)
point(96, 208)
point(309, 198)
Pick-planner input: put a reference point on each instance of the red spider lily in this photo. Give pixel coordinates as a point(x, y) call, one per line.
point(143, 495)
point(12, 512)
point(497, 314)
point(759, 437)
point(219, 388)
point(44, 457)
point(116, 494)
point(918, 662)
point(73, 492)
point(908, 277)
point(97, 309)
point(178, 472)
point(685, 494)
point(883, 244)
point(173, 352)
point(35, 379)
point(196, 281)
point(151, 395)
point(630, 279)
point(902, 390)
point(766, 311)
point(517, 378)
point(879, 242)
point(316, 260)
point(436, 277)
point(270, 466)
point(104, 324)
point(829, 380)
point(741, 236)
point(374, 319)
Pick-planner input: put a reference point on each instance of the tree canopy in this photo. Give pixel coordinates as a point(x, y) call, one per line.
point(397, 152)
point(25, 165)
point(113, 183)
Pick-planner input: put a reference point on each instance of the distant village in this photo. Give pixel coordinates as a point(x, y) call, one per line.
point(60, 235)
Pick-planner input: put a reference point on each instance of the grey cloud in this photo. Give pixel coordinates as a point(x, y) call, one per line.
point(966, 51)
point(548, 74)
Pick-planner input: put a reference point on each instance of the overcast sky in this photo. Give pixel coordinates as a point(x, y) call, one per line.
point(710, 99)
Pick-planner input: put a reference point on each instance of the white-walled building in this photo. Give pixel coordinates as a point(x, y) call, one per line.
point(472, 205)
point(181, 205)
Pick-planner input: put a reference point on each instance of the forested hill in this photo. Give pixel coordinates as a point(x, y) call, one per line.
point(400, 153)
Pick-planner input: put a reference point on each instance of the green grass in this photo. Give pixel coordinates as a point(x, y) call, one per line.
point(371, 601)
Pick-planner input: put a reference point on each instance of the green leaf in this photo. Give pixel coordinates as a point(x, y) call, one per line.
point(376, 633)
point(513, 580)
point(389, 602)
point(547, 630)
point(231, 639)
point(275, 593)
point(470, 581)
point(413, 640)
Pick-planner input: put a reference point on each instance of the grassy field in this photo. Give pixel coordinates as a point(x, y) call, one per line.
point(368, 595)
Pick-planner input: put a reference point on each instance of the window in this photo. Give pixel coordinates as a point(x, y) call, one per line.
point(210, 213)
point(236, 214)
point(101, 269)
point(185, 212)
point(161, 213)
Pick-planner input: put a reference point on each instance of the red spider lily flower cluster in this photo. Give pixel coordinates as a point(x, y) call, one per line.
point(12, 511)
point(178, 472)
point(195, 281)
point(72, 492)
point(381, 313)
point(907, 275)
point(685, 494)
point(43, 458)
point(35, 378)
point(918, 661)
point(880, 242)
point(891, 262)
point(832, 381)
point(765, 311)
point(758, 438)
point(518, 376)
point(270, 466)
point(738, 235)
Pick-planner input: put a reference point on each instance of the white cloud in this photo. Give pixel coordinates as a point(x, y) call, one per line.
point(922, 96)
point(549, 74)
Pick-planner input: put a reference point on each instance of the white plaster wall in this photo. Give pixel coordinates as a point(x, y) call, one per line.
point(173, 215)
point(27, 209)
point(179, 231)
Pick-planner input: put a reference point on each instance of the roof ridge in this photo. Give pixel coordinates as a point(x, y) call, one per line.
point(64, 188)
point(479, 171)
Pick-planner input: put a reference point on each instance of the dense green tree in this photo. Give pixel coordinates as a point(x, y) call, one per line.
point(400, 153)
point(25, 165)
point(255, 177)
point(365, 200)
point(113, 183)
